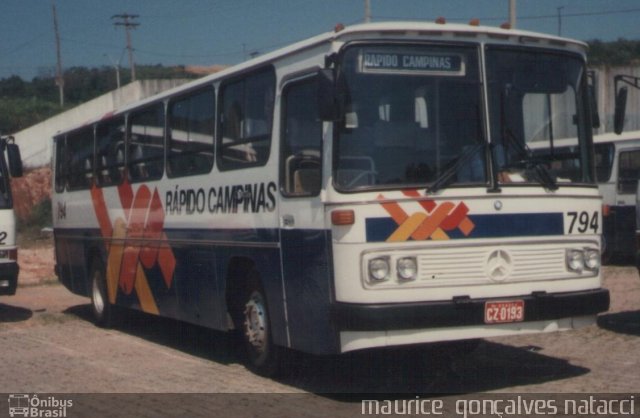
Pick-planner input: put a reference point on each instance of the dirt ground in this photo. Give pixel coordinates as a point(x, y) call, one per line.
point(50, 345)
point(36, 263)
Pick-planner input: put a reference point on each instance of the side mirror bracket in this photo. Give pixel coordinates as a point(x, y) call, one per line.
point(592, 87)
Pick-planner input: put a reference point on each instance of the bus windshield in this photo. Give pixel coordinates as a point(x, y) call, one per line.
point(411, 113)
point(538, 118)
point(413, 117)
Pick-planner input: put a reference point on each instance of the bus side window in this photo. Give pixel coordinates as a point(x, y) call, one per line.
point(80, 158)
point(191, 126)
point(146, 144)
point(246, 114)
point(110, 152)
point(301, 141)
point(628, 171)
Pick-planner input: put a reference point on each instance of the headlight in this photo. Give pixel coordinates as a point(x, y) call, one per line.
point(575, 260)
point(591, 259)
point(407, 268)
point(379, 269)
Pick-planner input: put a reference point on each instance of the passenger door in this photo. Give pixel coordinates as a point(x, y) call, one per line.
point(304, 240)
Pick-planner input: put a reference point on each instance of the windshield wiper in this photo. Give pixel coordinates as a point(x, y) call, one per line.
point(529, 162)
point(447, 176)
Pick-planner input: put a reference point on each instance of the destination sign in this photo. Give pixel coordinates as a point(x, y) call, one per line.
point(400, 62)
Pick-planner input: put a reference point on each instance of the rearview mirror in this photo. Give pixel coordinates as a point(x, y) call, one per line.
point(620, 110)
point(15, 160)
point(329, 107)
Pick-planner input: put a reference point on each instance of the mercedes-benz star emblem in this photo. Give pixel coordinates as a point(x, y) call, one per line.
point(499, 265)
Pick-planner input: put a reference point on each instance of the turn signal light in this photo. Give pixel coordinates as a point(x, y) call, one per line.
point(343, 217)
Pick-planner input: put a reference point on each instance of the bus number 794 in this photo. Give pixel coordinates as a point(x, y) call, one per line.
point(582, 222)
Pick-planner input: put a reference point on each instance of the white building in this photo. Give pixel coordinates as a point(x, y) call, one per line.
point(35, 141)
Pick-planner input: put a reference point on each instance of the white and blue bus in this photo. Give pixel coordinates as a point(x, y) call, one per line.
point(372, 186)
point(10, 166)
point(618, 170)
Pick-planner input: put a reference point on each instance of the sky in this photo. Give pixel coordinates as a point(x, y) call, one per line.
point(210, 32)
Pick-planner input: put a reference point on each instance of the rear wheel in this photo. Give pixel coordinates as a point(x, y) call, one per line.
point(100, 305)
point(262, 356)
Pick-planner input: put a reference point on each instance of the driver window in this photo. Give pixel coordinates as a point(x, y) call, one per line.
point(301, 150)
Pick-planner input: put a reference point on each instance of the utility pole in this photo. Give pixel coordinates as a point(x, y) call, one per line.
point(59, 75)
point(560, 21)
point(116, 66)
point(367, 11)
point(126, 20)
point(512, 14)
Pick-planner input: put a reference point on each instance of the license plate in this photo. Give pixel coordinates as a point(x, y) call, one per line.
point(504, 312)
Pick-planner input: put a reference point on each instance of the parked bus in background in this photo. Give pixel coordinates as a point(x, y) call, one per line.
point(372, 186)
point(618, 170)
point(637, 228)
point(10, 166)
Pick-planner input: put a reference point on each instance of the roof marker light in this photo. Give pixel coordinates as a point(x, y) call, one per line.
point(505, 25)
point(338, 27)
point(474, 22)
point(441, 20)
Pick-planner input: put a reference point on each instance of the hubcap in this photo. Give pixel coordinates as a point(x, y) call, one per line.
point(255, 323)
point(98, 302)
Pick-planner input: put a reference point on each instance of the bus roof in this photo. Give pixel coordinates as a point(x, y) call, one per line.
point(412, 29)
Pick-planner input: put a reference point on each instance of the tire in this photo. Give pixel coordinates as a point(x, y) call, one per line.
point(261, 355)
point(100, 306)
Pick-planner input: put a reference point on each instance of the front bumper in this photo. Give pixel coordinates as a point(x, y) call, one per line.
point(8, 278)
point(464, 311)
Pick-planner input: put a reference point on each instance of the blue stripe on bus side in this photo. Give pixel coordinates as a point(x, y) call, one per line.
point(197, 292)
point(485, 226)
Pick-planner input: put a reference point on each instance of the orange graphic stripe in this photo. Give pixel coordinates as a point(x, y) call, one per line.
point(429, 226)
point(126, 263)
point(145, 295)
point(394, 209)
point(135, 229)
point(102, 213)
point(407, 228)
point(114, 260)
point(455, 217)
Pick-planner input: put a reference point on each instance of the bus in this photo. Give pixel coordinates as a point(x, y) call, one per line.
point(19, 404)
point(637, 228)
point(371, 186)
point(10, 166)
point(618, 170)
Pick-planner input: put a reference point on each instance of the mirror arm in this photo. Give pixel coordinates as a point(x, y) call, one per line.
point(330, 60)
point(627, 79)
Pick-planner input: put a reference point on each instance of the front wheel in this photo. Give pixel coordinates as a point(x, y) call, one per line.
point(262, 356)
point(100, 305)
